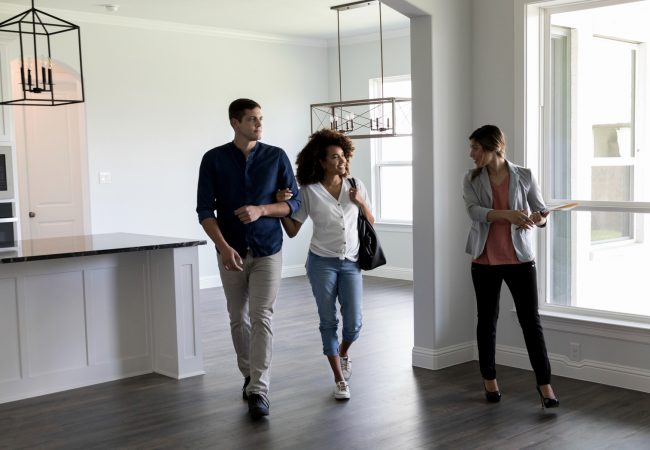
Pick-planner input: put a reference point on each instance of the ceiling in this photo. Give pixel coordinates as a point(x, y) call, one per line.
point(312, 19)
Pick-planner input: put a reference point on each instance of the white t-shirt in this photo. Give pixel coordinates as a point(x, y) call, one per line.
point(335, 220)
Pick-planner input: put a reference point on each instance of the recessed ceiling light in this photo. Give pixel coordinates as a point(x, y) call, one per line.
point(111, 8)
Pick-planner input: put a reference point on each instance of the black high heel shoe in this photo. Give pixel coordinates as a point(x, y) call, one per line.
point(492, 396)
point(547, 402)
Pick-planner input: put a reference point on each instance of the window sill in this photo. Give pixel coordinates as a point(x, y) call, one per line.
point(395, 227)
point(630, 330)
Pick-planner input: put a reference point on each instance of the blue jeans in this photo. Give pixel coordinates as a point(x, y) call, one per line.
point(331, 278)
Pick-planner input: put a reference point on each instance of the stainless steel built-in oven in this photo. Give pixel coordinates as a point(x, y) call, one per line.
point(7, 200)
point(6, 174)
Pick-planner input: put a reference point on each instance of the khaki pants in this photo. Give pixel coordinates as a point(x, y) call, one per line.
point(250, 297)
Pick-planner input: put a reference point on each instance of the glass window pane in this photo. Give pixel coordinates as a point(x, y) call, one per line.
point(395, 149)
point(400, 87)
point(608, 277)
point(560, 142)
point(610, 226)
point(612, 183)
point(396, 192)
point(613, 66)
point(612, 141)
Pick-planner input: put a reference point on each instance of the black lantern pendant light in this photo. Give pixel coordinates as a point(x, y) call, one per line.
point(39, 34)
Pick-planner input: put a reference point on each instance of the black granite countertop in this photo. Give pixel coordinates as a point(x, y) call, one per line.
point(94, 244)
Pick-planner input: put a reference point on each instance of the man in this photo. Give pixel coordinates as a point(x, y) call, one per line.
point(239, 180)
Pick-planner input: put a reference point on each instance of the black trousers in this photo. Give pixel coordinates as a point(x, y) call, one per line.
point(521, 279)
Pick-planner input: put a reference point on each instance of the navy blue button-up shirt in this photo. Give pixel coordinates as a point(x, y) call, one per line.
point(228, 181)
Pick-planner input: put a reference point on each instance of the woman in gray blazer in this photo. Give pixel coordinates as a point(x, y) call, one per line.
point(499, 196)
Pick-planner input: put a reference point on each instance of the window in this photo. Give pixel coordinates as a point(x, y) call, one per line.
point(597, 88)
point(392, 159)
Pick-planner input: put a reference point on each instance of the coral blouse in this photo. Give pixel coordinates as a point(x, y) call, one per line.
point(498, 247)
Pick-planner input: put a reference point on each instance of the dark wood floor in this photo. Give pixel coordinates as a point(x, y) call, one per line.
point(393, 405)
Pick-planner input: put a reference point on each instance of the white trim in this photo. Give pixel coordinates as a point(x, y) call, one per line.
point(58, 384)
point(587, 370)
point(397, 273)
point(393, 227)
point(370, 37)
point(296, 270)
point(159, 25)
point(435, 359)
point(576, 323)
point(211, 281)
point(627, 377)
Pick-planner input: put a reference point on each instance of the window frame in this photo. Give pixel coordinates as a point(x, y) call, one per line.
point(377, 160)
point(532, 83)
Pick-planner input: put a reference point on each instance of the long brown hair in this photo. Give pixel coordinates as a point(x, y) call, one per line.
point(309, 159)
point(491, 139)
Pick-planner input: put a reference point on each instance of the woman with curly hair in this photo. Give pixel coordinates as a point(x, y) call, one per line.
point(333, 204)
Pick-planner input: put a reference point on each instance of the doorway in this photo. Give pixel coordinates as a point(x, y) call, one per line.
point(52, 163)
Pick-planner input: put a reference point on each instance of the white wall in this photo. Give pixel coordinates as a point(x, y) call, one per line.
point(156, 101)
point(441, 80)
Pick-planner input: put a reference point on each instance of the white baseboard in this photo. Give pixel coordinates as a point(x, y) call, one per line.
point(587, 370)
point(445, 357)
point(293, 271)
point(297, 270)
point(398, 273)
point(211, 281)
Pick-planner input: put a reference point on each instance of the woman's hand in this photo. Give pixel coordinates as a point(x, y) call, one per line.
point(355, 197)
point(520, 218)
point(539, 217)
point(282, 195)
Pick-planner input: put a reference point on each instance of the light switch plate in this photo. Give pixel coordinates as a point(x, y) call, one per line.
point(105, 178)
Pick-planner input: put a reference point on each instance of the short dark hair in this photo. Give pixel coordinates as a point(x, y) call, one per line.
point(237, 108)
point(309, 169)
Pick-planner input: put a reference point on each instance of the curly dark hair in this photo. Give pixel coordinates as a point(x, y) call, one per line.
point(309, 159)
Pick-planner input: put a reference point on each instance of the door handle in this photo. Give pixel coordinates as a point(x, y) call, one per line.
point(32, 214)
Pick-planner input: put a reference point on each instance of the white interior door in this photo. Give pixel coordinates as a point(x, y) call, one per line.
point(52, 169)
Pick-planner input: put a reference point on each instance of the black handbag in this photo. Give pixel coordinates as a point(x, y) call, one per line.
point(370, 253)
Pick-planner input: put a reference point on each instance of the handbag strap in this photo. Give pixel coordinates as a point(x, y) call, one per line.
point(353, 183)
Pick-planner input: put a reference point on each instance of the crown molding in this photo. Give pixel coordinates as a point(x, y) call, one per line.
point(7, 10)
point(371, 37)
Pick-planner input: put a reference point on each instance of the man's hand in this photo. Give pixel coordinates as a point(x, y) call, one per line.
point(249, 213)
point(231, 260)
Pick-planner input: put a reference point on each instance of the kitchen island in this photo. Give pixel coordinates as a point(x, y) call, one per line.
point(81, 310)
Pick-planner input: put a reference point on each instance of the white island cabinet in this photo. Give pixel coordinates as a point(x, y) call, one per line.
point(81, 310)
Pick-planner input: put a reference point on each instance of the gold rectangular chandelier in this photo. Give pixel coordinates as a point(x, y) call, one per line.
point(366, 118)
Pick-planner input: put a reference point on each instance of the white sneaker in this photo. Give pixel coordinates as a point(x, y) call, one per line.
point(341, 391)
point(346, 367)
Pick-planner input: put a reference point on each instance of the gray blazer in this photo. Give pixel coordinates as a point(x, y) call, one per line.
point(523, 193)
